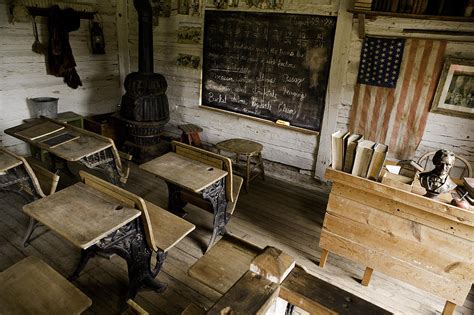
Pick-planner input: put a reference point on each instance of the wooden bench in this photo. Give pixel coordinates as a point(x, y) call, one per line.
point(32, 287)
point(225, 269)
point(163, 229)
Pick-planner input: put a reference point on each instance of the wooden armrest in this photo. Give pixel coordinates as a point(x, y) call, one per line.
point(237, 185)
point(126, 168)
point(125, 156)
point(168, 229)
point(134, 308)
point(47, 179)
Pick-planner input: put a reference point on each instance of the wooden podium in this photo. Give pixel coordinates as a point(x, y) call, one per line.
point(424, 242)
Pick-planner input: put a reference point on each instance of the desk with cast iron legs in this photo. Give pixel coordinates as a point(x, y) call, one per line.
point(91, 150)
point(181, 173)
point(15, 176)
point(96, 222)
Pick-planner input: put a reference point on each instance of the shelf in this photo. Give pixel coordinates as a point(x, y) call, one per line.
point(413, 16)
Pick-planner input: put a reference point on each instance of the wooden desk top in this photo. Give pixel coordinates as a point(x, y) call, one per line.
point(7, 161)
point(32, 287)
point(183, 172)
point(71, 151)
point(81, 214)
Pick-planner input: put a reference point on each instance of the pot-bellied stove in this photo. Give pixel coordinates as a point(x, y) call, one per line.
point(144, 108)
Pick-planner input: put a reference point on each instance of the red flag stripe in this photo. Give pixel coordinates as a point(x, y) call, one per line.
point(405, 85)
point(398, 116)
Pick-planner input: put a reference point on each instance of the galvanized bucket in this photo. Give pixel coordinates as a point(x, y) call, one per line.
point(44, 106)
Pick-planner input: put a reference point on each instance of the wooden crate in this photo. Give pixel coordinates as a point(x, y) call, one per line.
point(424, 242)
point(105, 125)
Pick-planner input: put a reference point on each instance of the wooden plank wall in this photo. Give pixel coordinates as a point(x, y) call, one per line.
point(280, 145)
point(23, 73)
point(283, 146)
point(442, 131)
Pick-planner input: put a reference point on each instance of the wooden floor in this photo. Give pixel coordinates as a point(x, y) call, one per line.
point(272, 213)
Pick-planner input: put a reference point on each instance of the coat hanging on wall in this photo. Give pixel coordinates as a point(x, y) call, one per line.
point(61, 61)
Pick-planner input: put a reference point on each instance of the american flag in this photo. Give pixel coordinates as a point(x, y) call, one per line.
point(397, 116)
point(380, 61)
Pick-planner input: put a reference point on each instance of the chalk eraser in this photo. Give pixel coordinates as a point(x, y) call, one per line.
point(282, 122)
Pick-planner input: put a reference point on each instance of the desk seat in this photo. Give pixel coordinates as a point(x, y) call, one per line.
point(163, 229)
point(32, 287)
point(168, 229)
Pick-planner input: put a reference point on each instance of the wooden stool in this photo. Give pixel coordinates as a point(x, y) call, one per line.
point(32, 287)
point(190, 134)
point(249, 149)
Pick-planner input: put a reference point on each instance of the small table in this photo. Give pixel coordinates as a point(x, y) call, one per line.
point(249, 149)
point(180, 173)
point(32, 287)
point(96, 222)
point(88, 148)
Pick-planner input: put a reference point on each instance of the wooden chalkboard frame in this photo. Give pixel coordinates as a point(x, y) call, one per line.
point(312, 109)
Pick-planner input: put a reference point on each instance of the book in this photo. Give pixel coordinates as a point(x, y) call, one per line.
point(376, 163)
point(337, 149)
point(394, 6)
point(39, 130)
point(397, 181)
point(352, 142)
point(362, 158)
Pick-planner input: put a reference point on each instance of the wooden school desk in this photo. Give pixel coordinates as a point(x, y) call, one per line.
point(94, 222)
point(180, 172)
point(90, 149)
point(15, 172)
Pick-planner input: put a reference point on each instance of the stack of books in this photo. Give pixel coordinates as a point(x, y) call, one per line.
point(365, 5)
point(429, 7)
point(352, 154)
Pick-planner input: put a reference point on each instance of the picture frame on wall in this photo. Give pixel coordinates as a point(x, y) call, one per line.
point(455, 92)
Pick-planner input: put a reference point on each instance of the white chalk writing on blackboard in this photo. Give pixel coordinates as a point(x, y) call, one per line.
point(269, 65)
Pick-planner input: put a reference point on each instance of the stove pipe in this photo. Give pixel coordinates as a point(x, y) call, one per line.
point(145, 36)
point(144, 107)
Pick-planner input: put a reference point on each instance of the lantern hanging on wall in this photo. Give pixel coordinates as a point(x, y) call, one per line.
point(97, 38)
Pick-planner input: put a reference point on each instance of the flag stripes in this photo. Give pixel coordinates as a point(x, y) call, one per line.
point(397, 116)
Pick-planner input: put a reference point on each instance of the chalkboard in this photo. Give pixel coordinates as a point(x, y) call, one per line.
point(268, 65)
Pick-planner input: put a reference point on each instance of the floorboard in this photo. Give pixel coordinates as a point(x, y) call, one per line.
point(271, 213)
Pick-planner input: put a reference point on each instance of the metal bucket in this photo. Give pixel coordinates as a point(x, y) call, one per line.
point(44, 106)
